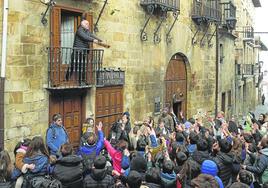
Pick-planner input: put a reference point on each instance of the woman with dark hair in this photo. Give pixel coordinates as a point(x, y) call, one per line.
point(37, 154)
point(5, 170)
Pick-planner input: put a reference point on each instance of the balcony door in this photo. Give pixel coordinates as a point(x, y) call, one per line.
point(64, 24)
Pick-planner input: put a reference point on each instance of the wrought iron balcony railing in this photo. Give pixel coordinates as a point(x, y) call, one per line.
point(73, 67)
point(248, 69)
point(110, 77)
point(248, 33)
point(169, 5)
point(228, 15)
point(206, 11)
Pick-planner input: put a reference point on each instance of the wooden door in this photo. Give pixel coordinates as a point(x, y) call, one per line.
point(109, 106)
point(176, 85)
point(70, 107)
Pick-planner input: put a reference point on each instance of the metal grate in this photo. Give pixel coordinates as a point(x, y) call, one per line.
point(170, 4)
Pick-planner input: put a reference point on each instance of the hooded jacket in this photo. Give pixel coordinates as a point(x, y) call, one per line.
point(56, 136)
point(224, 162)
point(98, 178)
point(41, 164)
point(68, 169)
point(88, 149)
point(168, 180)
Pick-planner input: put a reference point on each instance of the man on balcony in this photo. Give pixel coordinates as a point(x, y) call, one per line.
point(79, 57)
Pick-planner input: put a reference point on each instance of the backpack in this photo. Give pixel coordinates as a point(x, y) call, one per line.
point(41, 182)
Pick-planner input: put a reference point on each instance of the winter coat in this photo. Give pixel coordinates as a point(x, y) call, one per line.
point(168, 180)
point(260, 164)
point(7, 184)
point(224, 162)
point(116, 156)
point(82, 38)
point(20, 167)
point(69, 170)
point(56, 136)
point(41, 164)
point(98, 178)
point(88, 149)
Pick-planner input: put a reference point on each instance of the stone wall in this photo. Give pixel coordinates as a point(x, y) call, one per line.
point(145, 63)
point(227, 73)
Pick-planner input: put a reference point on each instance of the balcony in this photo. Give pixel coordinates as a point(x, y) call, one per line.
point(228, 15)
point(167, 5)
point(248, 70)
point(110, 77)
point(70, 68)
point(206, 11)
point(248, 33)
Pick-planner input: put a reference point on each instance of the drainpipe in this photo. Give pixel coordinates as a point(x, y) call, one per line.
point(217, 71)
point(3, 71)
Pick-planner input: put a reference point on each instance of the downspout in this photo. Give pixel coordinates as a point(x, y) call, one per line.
point(3, 72)
point(217, 71)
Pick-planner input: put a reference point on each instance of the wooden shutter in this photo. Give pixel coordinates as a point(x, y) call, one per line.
point(55, 26)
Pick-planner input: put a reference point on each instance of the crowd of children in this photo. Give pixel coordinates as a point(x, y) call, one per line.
point(200, 152)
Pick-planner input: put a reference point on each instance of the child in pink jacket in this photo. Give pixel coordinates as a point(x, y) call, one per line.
point(119, 159)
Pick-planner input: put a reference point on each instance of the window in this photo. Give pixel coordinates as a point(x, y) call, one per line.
point(221, 53)
point(64, 23)
point(229, 99)
point(223, 102)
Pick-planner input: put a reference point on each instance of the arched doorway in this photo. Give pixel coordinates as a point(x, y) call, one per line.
point(176, 85)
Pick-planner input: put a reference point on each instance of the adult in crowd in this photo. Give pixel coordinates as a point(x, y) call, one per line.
point(56, 135)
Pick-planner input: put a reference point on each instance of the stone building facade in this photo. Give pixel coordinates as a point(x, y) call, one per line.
point(178, 71)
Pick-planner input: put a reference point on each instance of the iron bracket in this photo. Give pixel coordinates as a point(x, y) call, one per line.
point(157, 38)
point(150, 10)
point(205, 34)
point(209, 40)
point(96, 29)
point(50, 4)
point(195, 34)
point(175, 15)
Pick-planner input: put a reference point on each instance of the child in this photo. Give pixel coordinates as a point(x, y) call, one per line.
point(20, 166)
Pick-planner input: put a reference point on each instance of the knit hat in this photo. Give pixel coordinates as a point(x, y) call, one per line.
point(187, 124)
point(100, 162)
point(209, 167)
point(139, 164)
point(126, 113)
